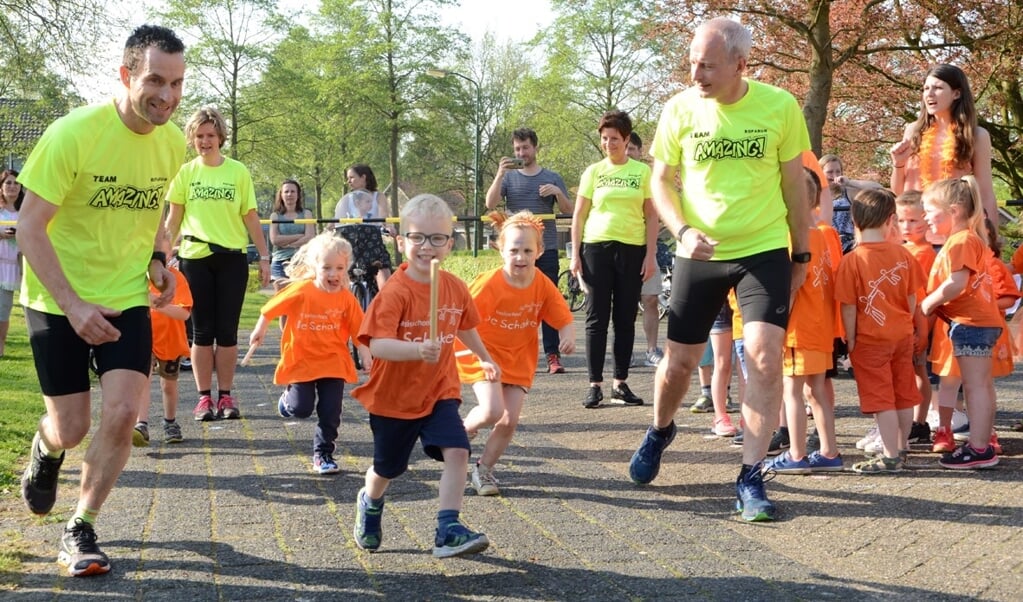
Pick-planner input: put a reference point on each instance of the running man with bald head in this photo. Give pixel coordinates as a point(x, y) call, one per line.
point(735, 146)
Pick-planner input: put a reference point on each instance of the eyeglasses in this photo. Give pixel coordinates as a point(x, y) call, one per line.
point(418, 238)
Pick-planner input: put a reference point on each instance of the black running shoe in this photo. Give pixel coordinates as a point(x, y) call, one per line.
point(779, 442)
point(593, 397)
point(623, 393)
point(39, 482)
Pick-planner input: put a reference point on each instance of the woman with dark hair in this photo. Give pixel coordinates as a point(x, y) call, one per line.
point(615, 227)
point(287, 238)
point(213, 207)
point(365, 201)
point(945, 142)
point(11, 195)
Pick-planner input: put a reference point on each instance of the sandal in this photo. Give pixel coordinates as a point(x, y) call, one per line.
point(879, 465)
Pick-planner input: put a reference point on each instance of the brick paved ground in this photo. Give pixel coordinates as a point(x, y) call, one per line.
point(235, 513)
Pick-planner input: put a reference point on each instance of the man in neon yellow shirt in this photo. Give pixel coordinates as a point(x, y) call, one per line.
point(735, 145)
point(90, 232)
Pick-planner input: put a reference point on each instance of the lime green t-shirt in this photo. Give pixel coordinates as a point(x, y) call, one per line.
point(109, 184)
point(729, 159)
point(215, 199)
point(617, 194)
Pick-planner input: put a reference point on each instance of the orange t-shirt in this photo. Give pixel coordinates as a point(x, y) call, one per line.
point(811, 320)
point(975, 306)
point(314, 343)
point(833, 248)
point(941, 356)
point(1017, 260)
point(878, 278)
point(169, 339)
point(401, 311)
point(509, 321)
point(924, 254)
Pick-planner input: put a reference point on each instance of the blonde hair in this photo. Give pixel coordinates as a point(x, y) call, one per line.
point(307, 259)
point(523, 219)
point(963, 192)
point(207, 114)
point(910, 198)
point(427, 206)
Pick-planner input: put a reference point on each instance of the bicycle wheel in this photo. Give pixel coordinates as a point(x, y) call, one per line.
point(361, 293)
point(568, 284)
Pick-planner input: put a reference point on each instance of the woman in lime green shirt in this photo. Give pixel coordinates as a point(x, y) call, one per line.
point(615, 226)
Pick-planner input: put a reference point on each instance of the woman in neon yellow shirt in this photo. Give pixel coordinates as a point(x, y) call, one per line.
point(615, 226)
point(213, 207)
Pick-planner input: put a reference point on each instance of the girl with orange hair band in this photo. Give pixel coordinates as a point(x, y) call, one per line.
point(512, 302)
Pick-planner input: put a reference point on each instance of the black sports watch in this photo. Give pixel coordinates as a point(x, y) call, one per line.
point(801, 257)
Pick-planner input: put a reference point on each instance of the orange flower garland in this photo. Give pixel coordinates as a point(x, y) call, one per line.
point(945, 167)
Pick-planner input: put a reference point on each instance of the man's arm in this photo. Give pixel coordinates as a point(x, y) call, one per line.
point(494, 192)
point(88, 320)
point(665, 195)
point(793, 190)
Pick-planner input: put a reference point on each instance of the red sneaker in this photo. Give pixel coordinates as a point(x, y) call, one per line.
point(943, 441)
point(554, 364)
point(204, 410)
point(995, 444)
point(227, 408)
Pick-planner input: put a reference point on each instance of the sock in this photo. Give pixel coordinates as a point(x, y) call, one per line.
point(665, 431)
point(978, 450)
point(746, 468)
point(223, 392)
point(445, 518)
point(784, 430)
point(168, 421)
point(372, 503)
point(47, 452)
point(142, 422)
point(86, 515)
point(206, 392)
point(705, 390)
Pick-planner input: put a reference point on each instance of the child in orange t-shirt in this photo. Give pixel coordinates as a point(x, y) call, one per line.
point(315, 364)
point(512, 301)
point(910, 212)
point(169, 345)
point(876, 285)
point(807, 356)
point(413, 390)
point(960, 294)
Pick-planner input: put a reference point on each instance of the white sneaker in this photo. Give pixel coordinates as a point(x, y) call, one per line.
point(483, 480)
point(874, 448)
point(960, 426)
point(932, 420)
point(871, 436)
point(654, 357)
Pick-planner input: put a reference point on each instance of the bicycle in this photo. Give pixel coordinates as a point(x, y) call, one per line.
point(664, 296)
point(364, 287)
point(572, 291)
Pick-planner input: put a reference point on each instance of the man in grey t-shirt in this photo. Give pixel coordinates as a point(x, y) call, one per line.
point(531, 187)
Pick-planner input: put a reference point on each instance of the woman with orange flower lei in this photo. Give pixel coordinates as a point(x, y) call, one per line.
point(945, 141)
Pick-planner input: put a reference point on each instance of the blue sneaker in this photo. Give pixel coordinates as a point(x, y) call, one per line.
point(646, 462)
point(821, 463)
point(367, 531)
point(325, 464)
point(785, 464)
point(458, 540)
point(282, 408)
point(751, 499)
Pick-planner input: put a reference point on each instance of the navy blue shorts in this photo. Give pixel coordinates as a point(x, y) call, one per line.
point(973, 341)
point(393, 438)
point(62, 357)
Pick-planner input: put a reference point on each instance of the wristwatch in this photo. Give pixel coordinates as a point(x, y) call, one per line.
point(801, 257)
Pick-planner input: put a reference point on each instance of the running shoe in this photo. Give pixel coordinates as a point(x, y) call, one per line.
point(39, 481)
point(723, 427)
point(554, 364)
point(785, 464)
point(140, 435)
point(646, 462)
point(456, 540)
point(367, 530)
point(873, 434)
point(172, 432)
point(965, 458)
point(943, 441)
point(227, 408)
point(751, 498)
point(703, 405)
point(920, 433)
point(325, 464)
point(594, 396)
point(821, 463)
point(623, 393)
point(779, 442)
point(79, 552)
point(483, 480)
point(204, 411)
point(282, 408)
point(653, 358)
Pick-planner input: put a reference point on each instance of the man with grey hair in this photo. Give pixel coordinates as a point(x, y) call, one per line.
point(735, 144)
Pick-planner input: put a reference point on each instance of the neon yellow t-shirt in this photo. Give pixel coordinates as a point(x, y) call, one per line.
point(616, 193)
point(729, 159)
point(108, 183)
point(215, 199)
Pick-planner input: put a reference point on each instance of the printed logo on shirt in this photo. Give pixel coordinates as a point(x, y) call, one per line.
point(629, 181)
point(206, 192)
point(127, 197)
point(887, 276)
point(751, 147)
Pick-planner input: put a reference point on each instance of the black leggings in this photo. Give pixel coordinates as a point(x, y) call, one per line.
point(218, 284)
point(611, 269)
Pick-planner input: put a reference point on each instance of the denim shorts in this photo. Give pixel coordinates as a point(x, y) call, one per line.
point(973, 341)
